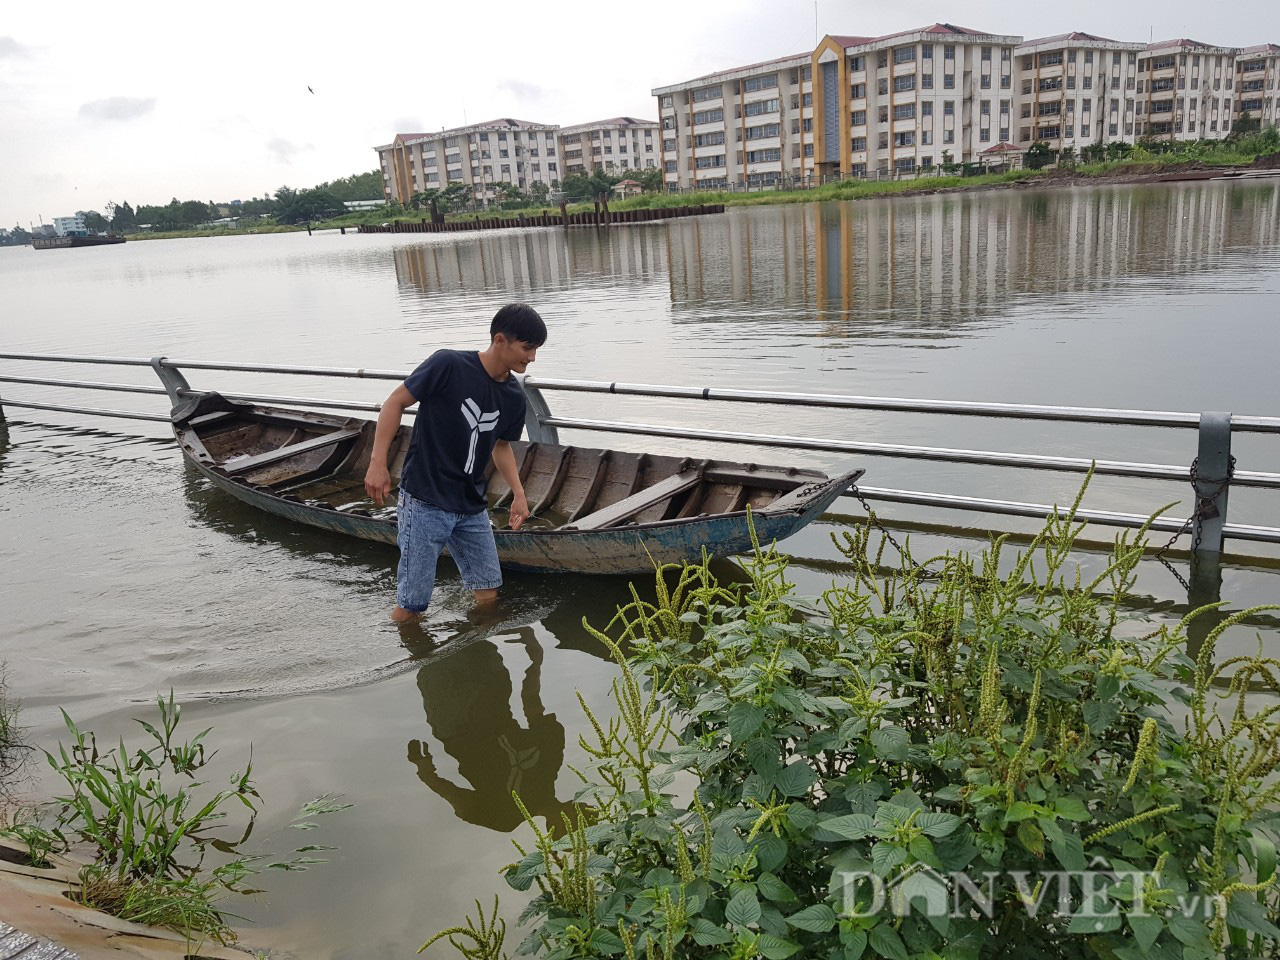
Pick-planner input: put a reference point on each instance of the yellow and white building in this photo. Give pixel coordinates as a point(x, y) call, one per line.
point(750, 125)
point(896, 104)
point(1185, 91)
point(616, 144)
point(482, 156)
point(1258, 83)
point(1075, 90)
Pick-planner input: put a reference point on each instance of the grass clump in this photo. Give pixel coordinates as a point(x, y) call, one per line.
point(990, 759)
point(150, 820)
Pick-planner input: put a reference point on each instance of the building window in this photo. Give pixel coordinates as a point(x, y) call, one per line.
point(758, 107)
point(882, 58)
point(859, 144)
point(926, 81)
point(857, 63)
point(926, 137)
point(710, 116)
point(859, 91)
point(884, 141)
point(707, 163)
point(707, 93)
point(901, 84)
point(904, 54)
point(948, 81)
point(926, 51)
point(984, 134)
point(769, 155)
point(752, 84)
point(859, 118)
point(926, 108)
point(986, 54)
point(882, 114)
point(986, 81)
point(948, 108)
point(906, 111)
point(905, 164)
point(948, 136)
point(948, 51)
point(1004, 134)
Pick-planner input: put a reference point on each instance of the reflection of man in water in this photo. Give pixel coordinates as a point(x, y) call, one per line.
point(467, 698)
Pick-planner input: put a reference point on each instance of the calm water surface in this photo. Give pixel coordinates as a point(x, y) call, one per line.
point(123, 574)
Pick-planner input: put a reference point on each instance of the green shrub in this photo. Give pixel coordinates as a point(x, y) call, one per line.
point(773, 762)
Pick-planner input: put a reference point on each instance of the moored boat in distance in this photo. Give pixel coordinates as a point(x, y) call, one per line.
point(593, 510)
point(74, 240)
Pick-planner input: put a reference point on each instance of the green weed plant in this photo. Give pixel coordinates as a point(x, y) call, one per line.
point(1002, 717)
point(150, 822)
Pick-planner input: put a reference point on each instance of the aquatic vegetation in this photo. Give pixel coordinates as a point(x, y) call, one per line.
point(973, 756)
point(150, 824)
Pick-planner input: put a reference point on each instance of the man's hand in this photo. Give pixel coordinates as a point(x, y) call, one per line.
point(377, 483)
point(519, 511)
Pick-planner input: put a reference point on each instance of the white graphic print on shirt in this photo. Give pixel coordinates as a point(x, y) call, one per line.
point(479, 423)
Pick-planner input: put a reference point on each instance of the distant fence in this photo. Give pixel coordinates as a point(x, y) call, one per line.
point(600, 218)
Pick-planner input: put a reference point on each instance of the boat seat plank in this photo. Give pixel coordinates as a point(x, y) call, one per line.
point(239, 467)
point(628, 507)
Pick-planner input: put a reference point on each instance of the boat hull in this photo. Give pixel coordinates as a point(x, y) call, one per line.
point(64, 243)
point(621, 551)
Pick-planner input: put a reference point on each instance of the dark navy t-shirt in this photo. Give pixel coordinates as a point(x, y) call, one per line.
point(462, 413)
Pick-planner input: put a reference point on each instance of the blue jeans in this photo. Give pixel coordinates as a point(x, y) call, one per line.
point(423, 531)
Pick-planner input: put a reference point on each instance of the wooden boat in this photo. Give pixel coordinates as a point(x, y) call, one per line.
point(593, 511)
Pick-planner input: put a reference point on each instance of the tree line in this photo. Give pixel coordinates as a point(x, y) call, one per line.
point(285, 205)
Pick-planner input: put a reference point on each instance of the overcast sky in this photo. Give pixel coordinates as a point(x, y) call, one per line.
point(147, 101)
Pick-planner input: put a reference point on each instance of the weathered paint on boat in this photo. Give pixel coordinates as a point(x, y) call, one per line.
point(615, 551)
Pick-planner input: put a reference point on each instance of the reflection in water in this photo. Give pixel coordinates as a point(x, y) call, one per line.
point(532, 260)
point(467, 699)
point(915, 266)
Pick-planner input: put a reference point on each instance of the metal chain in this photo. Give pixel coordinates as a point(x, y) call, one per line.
point(1203, 506)
point(884, 531)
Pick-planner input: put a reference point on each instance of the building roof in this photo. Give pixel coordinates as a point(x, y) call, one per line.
point(1004, 146)
point(1261, 48)
point(628, 183)
point(937, 30)
point(611, 122)
point(1184, 42)
point(796, 59)
point(1076, 36)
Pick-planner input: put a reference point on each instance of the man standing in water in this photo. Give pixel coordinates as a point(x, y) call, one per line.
point(470, 408)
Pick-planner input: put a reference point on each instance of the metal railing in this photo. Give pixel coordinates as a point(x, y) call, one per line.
point(1213, 464)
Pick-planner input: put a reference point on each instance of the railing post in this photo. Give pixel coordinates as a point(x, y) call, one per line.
point(171, 378)
point(1213, 469)
point(536, 411)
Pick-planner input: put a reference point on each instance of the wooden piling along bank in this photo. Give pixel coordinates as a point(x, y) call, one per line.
point(602, 218)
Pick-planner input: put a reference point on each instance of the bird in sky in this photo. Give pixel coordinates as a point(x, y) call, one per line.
point(310, 91)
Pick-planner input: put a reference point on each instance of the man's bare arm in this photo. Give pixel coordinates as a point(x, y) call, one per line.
point(377, 480)
point(504, 459)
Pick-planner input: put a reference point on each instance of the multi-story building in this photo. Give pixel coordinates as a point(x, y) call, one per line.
point(620, 143)
point(896, 104)
point(1185, 91)
point(1075, 90)
point(1258, 83)
point(748, 125)
point(482, 156)
point(70, 226)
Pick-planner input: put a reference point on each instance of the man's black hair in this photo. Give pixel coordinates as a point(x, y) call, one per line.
point(519, 321)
